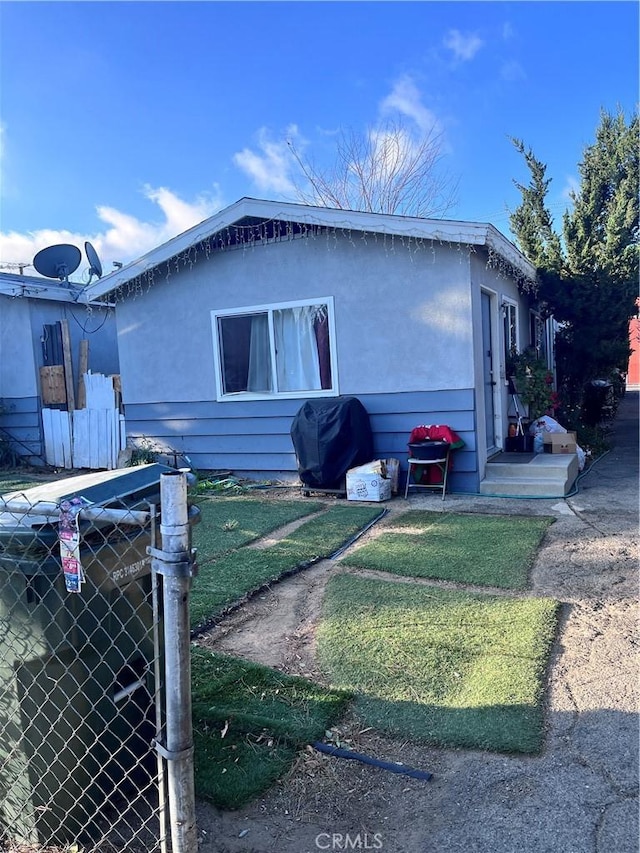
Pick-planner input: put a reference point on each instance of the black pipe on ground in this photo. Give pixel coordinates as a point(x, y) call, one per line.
point(391, 766)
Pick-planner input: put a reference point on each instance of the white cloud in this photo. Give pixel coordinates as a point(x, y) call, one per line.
point(397, 151)
point(391, 149)
point(181, 215)
point(405, 98)
point(270, 168)
point(464, 46)
point(125, 238)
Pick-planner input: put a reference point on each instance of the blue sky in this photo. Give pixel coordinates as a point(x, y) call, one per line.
point(125, 123)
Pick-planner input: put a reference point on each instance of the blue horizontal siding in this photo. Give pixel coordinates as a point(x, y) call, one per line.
point(252, 438)
point(212, 426)
point(448, 401)
point(21, 427)
point(396, 421)
point(26, 407)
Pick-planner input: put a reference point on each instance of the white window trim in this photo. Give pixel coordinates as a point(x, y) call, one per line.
point(241, 396)
point(536, 318)
point(511, 304)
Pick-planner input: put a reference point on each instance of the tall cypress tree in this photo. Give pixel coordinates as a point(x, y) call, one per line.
point(531, 222)
point(589, 277)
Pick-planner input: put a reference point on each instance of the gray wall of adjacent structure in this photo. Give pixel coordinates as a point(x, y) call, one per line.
point(96, 324)
point(21, 357)
point(17, 364)
point(21, 331)
point(253, 439)
point(20, 425)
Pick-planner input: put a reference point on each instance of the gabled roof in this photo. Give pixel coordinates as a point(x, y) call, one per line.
point(266, 219)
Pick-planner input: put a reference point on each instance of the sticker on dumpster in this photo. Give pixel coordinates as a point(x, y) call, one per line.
point(128, 573)
point(69, 535)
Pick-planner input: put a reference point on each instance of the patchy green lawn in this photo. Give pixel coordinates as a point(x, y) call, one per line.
point(222, 582)
point(453, 668)
point(437, 665)
point(227, 523)
point(483, 550)
point(16, 483)
point(249, 722)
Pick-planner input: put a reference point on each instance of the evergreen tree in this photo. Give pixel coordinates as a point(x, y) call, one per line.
point(531, 222)
point(589, 277)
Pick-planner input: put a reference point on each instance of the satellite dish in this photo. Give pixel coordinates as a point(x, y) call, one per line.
point(95, 267)
point(58, 261)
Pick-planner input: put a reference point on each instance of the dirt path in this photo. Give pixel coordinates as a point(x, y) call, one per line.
point(579, 796)
point(277, 627)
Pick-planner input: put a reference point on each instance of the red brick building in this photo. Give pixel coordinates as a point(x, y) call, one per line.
point(633, 372)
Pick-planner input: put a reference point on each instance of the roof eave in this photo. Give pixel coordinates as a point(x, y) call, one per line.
point(19, 287)
point(441, 230)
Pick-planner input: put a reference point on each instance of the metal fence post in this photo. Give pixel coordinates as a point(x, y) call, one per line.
point(174, 562)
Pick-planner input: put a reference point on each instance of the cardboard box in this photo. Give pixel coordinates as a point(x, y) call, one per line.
point(559, 442)
point(368, 484)
point(393, 473)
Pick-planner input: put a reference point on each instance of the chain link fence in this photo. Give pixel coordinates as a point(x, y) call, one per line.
point(83, 709)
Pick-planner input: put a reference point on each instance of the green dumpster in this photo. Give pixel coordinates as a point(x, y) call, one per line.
point(77, 687)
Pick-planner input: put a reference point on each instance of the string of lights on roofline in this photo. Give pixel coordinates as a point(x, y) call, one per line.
point(267, 232)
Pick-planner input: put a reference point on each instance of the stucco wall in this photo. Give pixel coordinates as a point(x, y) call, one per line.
point(402, 315)
point(21, 330)
point(502, 287)
point(17, 366)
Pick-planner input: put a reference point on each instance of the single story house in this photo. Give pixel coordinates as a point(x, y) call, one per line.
point(41, 325)
point(225, 330)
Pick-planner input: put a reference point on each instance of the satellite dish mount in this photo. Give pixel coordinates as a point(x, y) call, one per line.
point(58, 261)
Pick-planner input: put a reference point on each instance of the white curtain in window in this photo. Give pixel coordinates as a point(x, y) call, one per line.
point(297, 362)
point(259, 377)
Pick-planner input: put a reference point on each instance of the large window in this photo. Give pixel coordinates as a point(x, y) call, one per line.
point(275, 350)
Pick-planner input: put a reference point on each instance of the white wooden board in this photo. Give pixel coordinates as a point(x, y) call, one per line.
point(57, 438)
point(86, 438)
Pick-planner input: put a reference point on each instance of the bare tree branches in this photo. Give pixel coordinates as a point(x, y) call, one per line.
point(386, 169)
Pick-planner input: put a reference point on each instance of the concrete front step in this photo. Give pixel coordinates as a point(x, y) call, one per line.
point(544, 475)
point(545, 467)
point(523, 488)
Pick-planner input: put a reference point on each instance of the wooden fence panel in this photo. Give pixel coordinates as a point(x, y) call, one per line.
point(86, 438)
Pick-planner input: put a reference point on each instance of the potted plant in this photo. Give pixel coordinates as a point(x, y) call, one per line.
point(533, 383)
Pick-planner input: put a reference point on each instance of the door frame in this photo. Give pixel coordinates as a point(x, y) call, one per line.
point(497, 371)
